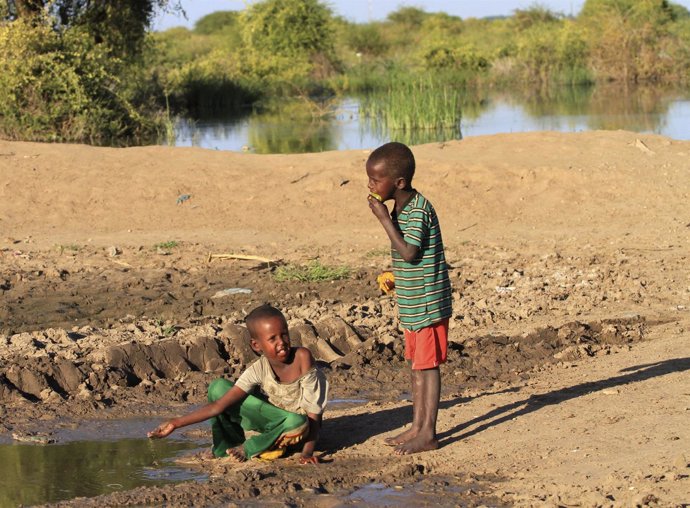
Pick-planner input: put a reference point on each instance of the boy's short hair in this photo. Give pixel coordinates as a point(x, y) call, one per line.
point(397, 158)
point(259, 313)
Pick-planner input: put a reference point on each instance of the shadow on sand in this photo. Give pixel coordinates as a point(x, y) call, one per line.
point(345, 431)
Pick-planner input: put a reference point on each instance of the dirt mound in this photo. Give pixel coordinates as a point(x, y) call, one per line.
point(168, 368)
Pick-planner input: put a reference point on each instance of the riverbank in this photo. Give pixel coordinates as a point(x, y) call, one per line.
point(571, 298)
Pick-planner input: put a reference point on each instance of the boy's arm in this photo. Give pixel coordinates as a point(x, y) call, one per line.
point(408, 251)
point(308, 456)
point(307, 363)
point(232, 396)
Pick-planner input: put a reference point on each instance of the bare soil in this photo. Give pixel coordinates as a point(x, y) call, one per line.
point(567, 382)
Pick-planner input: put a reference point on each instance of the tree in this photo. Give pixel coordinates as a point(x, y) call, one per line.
point(631, 38)
point(526, 18)
point(120, 25)
point(69, 69)
point(292, 28)
point(412, 17)
point(217, 22)
point(288, 40)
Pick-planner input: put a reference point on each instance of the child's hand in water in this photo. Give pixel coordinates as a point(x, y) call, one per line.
point(164, 429)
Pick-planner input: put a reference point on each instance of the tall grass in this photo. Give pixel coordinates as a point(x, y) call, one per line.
point(415, 110)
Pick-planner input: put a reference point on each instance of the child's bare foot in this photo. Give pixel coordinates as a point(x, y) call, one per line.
point(309, 460)
point(400, 438)
point(416, 445)
point(237, 454)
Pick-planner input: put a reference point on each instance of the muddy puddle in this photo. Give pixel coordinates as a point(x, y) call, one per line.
point(380, 495)
point(98, 458)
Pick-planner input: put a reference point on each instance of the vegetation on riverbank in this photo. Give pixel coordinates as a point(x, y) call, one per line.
point(67, 75)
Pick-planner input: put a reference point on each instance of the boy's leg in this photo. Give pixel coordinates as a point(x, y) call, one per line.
point(226, 428)
point(415, 390)
point(276, 427)
point(426, 349)
point(415, 386)
point(425, 437)
point(255, 414)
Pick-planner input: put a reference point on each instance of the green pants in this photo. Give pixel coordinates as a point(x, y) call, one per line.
point(252, 414)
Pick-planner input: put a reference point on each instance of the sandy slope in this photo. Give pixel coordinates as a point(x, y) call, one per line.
point(544, 189)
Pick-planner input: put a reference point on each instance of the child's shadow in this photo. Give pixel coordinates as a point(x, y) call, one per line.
point(344, 431)
point(348, 430)
point(536, 402)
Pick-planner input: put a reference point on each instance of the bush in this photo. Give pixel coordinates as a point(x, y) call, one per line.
point(212, 83)
point(287, 42)
point(462, 58)
point(366, 39)
point(553, 52)
point(633, 40)
point(58, 85)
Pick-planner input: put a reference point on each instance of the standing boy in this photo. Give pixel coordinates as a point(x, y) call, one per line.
point(422, 286)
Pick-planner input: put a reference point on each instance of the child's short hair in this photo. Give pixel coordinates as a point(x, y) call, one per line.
point(397, 158)
point(259, 313)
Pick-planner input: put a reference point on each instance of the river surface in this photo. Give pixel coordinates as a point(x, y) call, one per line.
point(292, 127)
point(98, 457)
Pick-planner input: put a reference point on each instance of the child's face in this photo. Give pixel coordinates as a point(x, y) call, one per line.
point(270, 337)
point(380, 181)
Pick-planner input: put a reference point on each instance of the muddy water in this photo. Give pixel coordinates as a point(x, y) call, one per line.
point(42, 473)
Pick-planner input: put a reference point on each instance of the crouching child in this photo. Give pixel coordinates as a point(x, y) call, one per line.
point(281, 396)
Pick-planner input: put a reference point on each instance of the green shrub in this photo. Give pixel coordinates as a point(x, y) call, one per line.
point(459, 58)
point(287, 42)
point(553, 52)
point(633, 40)
point(58, 85)
point(366, 39)
point(211, 83)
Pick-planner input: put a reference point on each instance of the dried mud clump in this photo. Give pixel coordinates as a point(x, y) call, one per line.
point(55, 366)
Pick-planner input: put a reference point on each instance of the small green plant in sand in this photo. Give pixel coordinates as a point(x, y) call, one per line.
point(166, 329)
point(72, 247)
point(312, 272)
point(170, 244)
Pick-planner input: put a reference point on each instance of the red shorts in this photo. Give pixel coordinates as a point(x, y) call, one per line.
point(427, 348)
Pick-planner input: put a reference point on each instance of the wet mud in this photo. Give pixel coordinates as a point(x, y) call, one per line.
point(84, 337)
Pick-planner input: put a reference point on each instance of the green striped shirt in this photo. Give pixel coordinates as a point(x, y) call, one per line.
point(422, 287)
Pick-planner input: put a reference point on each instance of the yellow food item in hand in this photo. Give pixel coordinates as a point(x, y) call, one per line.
point(376, 196)
point(386, 282)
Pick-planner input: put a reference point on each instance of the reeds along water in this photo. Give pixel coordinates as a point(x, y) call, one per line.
point(419, 111)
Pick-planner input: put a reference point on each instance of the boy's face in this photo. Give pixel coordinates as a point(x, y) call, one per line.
point(380, 181)
point(270, 338)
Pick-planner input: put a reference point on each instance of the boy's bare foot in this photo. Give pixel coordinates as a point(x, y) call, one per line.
point(416, 445)
point(400, 438)
point(237, 454)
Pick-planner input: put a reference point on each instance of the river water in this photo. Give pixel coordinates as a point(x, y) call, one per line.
point(291, 128)
point(97, 457)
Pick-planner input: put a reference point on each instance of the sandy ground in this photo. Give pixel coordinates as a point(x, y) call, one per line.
point(568, 380)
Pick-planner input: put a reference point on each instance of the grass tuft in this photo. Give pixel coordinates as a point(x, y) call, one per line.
point(312, 272)
point(170, 244)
